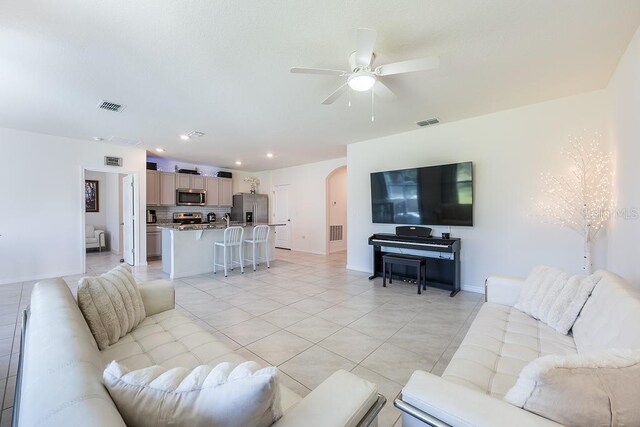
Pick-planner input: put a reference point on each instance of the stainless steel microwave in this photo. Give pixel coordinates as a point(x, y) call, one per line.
point(187, 197)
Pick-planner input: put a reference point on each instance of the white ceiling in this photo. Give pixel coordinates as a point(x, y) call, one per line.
point(221, 67)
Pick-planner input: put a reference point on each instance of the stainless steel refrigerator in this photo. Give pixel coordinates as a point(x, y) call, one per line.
point(253, 208)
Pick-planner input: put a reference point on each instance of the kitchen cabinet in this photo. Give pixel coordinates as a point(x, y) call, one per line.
point(154, 242)
point(212, 187)
point(167, 189)
point(183, 181)
point(153, 188)
point(225, 195)
point(196, 182)
point(162, 186)
point(188, 181)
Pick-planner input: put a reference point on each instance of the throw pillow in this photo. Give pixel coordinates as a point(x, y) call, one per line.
point(111, 305)
point(205, 396)
point(554, 297)
point(541, 281)
point(600, 389)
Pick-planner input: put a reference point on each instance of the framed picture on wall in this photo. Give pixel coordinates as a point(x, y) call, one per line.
point(91, 196)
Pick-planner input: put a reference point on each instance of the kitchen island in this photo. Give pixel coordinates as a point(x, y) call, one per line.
point(188, 250)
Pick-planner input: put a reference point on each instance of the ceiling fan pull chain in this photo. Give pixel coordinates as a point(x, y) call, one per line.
point(349, 95)
point(372, 115)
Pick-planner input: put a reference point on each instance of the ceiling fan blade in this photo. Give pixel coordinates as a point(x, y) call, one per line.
point(366, 41)
point(335, 95)
point(410, 66)
point(303, 70)
point(381, 90)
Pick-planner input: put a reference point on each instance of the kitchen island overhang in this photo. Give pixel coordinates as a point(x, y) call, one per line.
point(188, 251)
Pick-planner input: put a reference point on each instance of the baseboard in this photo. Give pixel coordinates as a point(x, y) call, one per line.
point(473, 288)
point(360, 269)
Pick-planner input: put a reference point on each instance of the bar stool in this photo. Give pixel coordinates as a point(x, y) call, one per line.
point(260, 235)
point(232, 239)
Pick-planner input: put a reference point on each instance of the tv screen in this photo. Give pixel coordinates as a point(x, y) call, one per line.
point(434, 195)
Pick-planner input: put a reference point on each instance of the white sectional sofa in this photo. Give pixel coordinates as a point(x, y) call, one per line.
point(501, 342)
point(60, 373)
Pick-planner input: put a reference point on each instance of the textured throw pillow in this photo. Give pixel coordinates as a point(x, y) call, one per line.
point(205, 396)
point(111, 305)
point(592, 390)
point(554, 297)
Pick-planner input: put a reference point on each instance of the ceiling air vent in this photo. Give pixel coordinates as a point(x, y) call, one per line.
point(195, 134)
point(428, 122)
point(110, 106)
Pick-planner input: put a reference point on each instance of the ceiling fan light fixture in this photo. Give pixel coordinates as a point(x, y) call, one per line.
point(361, 81)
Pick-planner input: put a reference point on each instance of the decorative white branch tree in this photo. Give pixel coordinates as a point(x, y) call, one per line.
point(582, 199)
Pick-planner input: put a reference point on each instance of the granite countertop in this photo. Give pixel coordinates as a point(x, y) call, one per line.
point(207, 226)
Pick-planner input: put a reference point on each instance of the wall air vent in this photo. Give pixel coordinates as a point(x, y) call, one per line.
point(112, 161)
point(428, 122)
point(110, 106)
point(123, 141)
point(195, 134)
point(335, 233)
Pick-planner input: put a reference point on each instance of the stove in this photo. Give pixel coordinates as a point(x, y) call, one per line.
point(187, 218)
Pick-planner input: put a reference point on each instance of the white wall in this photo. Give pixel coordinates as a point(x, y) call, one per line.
point(42, 211)
point(337, 206)
point(624, 102)
point(307, 201)
point(510, 150)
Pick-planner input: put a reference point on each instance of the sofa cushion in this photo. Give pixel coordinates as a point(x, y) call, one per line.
point(610, 317)
point(600, 389)
point(499, 344)
point(169, 339)
point(111, 304)
point(202, 397)
point(172, 340)
point(89, 231)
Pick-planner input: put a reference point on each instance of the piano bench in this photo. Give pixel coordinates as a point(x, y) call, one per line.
point(419, 262)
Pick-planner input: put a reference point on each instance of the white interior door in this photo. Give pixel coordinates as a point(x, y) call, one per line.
point(128, 219)
point(282, 216)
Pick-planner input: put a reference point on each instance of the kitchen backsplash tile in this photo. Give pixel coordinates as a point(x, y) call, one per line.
point(165, 213)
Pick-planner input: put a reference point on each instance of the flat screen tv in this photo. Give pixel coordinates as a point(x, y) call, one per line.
point(433, 195)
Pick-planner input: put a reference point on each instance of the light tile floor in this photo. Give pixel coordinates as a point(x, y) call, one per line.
point(307, 315)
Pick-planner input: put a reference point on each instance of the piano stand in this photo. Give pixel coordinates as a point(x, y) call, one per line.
point(442, 273)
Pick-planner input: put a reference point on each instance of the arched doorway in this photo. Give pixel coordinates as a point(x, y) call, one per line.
point(337, 210)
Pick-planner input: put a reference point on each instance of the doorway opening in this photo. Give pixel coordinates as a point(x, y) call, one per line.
point(337, 210)
point(108, 220)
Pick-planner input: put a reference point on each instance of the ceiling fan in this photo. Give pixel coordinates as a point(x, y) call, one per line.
point(362, 76)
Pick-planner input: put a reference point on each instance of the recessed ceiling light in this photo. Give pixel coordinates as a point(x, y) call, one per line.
point(238, 162)
point(160, 150)
point(270, 155)
point(184, 137)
